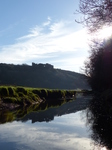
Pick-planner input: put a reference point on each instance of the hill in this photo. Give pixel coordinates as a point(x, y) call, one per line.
point(41, 76)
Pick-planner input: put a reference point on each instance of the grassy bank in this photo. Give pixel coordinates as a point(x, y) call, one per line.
point(24, 95)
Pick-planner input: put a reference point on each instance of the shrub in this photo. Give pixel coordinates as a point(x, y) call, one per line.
point(22, 90)
point(99, 66)
point(38, 92)
point(11, 91)
point(9, 100)
point(20, 94)
point(44, 93)
point(4, 91)
point(55, 94)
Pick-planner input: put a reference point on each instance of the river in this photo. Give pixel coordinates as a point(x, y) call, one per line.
point(58, 128)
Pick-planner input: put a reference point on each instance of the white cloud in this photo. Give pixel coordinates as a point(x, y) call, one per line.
point(49, 18)
point(49, 38)
point(34, 32)
point(47, 22)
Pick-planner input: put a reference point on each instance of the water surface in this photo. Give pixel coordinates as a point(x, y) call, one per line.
point(59, 128)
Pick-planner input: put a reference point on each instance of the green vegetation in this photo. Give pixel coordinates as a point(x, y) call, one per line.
point(27, 96)
point(17, 95)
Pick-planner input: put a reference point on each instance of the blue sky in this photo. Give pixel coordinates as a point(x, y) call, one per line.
point(42, 31)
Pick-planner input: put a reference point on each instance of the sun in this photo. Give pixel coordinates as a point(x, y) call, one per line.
point(103, 148)
point(105, 32)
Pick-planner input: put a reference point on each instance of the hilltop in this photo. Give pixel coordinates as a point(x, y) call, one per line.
point(41, 76)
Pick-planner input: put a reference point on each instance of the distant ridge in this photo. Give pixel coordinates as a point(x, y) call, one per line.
point(41, 76)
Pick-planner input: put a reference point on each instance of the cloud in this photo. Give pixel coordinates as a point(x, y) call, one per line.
point(44, 41)
point(47, 22)
point(34, 32)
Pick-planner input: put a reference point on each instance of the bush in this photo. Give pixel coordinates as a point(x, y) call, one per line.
point(11, 91)
point(37, 92)
point(20, 94)
point(44, 93)
point(99, 66)
point(33, 97)
point(4, 91)
point(22, 90)
point(9, 100)
point(55, 94)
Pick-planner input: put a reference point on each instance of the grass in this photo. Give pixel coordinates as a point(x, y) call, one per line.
point(24, 95)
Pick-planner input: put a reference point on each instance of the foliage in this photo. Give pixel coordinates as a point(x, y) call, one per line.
point(99, 66)
point(10, 100)
point(97, 13)
point(11, 91)
point(4, 91)
point(22, 90)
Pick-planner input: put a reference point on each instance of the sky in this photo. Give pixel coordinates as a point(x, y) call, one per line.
point(42, 31)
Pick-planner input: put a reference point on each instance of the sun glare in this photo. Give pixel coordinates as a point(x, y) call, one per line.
point(105, 32)
point(103, 148)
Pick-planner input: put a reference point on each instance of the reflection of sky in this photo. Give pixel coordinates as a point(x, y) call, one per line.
point(65, 132)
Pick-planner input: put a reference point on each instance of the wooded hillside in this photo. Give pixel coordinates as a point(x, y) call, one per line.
point(41, 76)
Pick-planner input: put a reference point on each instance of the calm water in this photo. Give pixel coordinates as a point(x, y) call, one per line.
point(60, 128)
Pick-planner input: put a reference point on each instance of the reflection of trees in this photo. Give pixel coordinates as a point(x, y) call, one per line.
point(20, 112)
point(45, 111)
point(99, 118)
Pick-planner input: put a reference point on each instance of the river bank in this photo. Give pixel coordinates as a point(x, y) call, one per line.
point(13, 96)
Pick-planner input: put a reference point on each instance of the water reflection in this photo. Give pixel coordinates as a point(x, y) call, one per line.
point(65, 132)
point(49, 114)
point(44, 111)
point(31, 132)
point(99, 119)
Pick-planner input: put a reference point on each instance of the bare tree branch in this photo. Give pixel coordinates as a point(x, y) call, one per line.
point(97, 13)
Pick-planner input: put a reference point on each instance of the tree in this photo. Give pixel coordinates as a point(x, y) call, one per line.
point(97, 13)
point(99, 66)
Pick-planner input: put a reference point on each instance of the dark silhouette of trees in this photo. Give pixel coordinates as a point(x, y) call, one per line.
point(99, 119)
point(41, 76)
point(99, 66)
point(97, 13)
